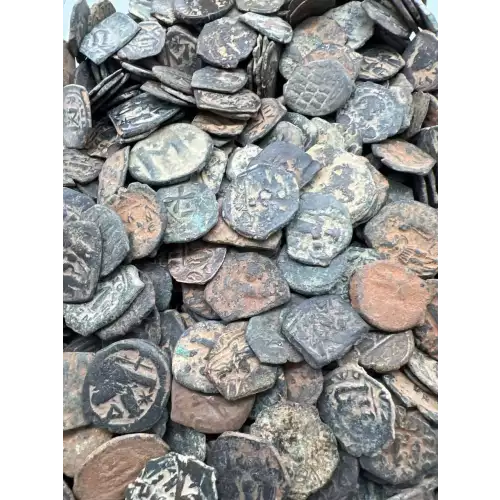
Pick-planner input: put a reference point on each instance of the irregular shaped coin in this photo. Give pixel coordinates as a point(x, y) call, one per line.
point(421, 58)
point(180, 50)
point(386, 18)
point(77, 117)
point(351, 395)
point(270, 397)
point(426, 336)
point(148, 42)
point(186, 441)
point(193, 297)
point(304, 383)
point(219, 80)
point(260, 6)
point(78, 25)
point(284, 132)
point(425, 369)
point(269, 114)
point(80, 167)
point(243, 102)
point(380, 63)
point(273, 28)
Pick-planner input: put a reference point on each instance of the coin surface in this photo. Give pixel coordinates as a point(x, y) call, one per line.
point(379, 64)
point(77, 117)
point(386, 18)
point(268, 116)
point(354, 21)
point(219, 80)
point(148, 42)
point(425, 369)
point(421, 58)
point(304, 383)
point(78, 25)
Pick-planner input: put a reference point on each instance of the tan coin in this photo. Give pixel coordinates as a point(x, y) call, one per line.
point(218, 125)
point(233, 367)
point(247, 284)
point(112, 175)
point(107, 471)
point(78, 444)
point(211, 414)
point(304, 383)
point(389, 296)
point(143, 216)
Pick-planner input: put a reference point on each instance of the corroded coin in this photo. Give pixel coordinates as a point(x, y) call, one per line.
point(180, 50)
point(148, 42)
point(159, 91)
point(170, 154)
point(186, 441)
point(75, 203)
point(427, 141)
point(78, 25)
point(249, 466)
point(350, 60)
point(219, 126)
point(304, 383)
point(233, 367)
point(320, 230)
point(77, 117)
point(195, 263)
point(323, 329)
point(273, 28)
point(139, 71)
point(112, 174)
point(208, 413)
point(420, 108)
point(284, 132)
point(260, 202)
point(247, 284)
point(80, 167)
point(386, 18)
point(172, 327)
point(193, 297)
point(412, 452)
point(225, 42)
point(351, 395)
point(127, 386)
point(421, 57)
point(191, 209)
point(162, 282)
point(219, 80)
point(239, 160)
point(426, 336)
point(380, 63)
point(260, 6)
point(374, 110)
point(82, 253)
point(100, 11)
point(173, 78)
point(269, 114)
point(401, 306)
point(83, 76)
point(213, 173)
point(108, 37)
point(270, 397)
point(141, 9)
point(240, 104)
point(406, 232)
point(403, 156)
point(143, 216)
point(425, 369)
point(268, 71)
point(171, 474)
point(306, 126)
point(307, 445)
point(201, 11)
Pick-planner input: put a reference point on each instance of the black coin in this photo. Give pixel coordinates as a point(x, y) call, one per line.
point(78, 25)
point(180, 50)
point(186, 441)
point(84, 77)
point(75, 203)
point(219, 80)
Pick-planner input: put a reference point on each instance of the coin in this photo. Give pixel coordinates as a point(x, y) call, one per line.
point(77, 118)
point(426, 336)
point(284, 132)
point(380, 63)
point(425, 369)
point(186, 441)
point(193, 297)
point(260, 6)
point(304, 383)
point(273, 27)
point(69, 72)
point(218, 80)
point(386, 18)
point(350, 60)
point(236, 105)
point(180, 50)
point(218, 125)
point(305, 125)
point(270, 397)
point(78, 25)
point(100, 11)
point(148, 42)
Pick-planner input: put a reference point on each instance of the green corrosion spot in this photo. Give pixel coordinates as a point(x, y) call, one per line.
point(182, 351)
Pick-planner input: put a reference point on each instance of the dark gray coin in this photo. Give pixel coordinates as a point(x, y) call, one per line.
point(260, 6)
point(323, 329)
point(273, 27)
point(374, 111)
point(109, 36)
point(159, 92)
point(84, 77)
point(75, 203)
point(239, 161)
point(172, 327)
point(148, 329)
point(350, 394)
point(420, 107)
point(243, 102)
point(180, 50)
point(262, 201)
point(201, 11)
point(380, 63)
point(112, 175)
point(247, 465)
point(103, 139)
point(291, 158)
point(330, 136)
point(68, 65)
point(82, 250)
point(398, 192)
point(140, 308)
point(264, 337)
point(124, 96)
point(350, 60)
point(127, 386)
point(110, 301)
point(269, 70)
point(347, 262)
point(140, 9)
point(94, 68)
point(402, 89)
point(402, 10)
point(425, 369)
point(161, 426)
point(344, 483)
point(386, 18)
point(139, 71)
point(173, 78)
point(399, 461)
point(191, 211)
point(320, 230)
point(80, 167)
point(115, 244)
point(103, 97)
point(318, 88)
point(170, 154)
point(284, 132)
point(218, 126)
point(193, 297)
point(186, 441)
point(304, 383)
point(89, 189)
point(428, 18)
point(140, 115)
point(162, 282)
point(427, 140)
point(310, 280)
point(163, 10)
point(148, 42)
point(269, 114)
point(421, 57)
point(306, 126)
point(225, 42)
point(355, 22)
point(219, 80)
point(100, 11)
point(78, 25)
point(103, 83)
point(77, 117)
point(272, 396)
point(184, 99)
point(67, 493)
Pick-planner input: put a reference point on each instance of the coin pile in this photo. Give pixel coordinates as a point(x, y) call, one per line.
point(250, 238)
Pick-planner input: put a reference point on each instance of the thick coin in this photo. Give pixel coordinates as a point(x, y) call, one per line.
point(208, 413)
point(83, 76)
point(425, 369)
point(219, 126)
point(268, 71)
point(420, 108)
point(82, 254)
point(173, 78)
point(186, 441)
point(190, 357)
point(193, 297)
point(162, 282)
point(127, 386)
point(412, 452)
point(107, 471)
point(148, 42)
point(81, 167)
point(262, 201)
point(170, 154)
point(323, 329)
point(306, 126)
point(219, 80)
point(247, 284)
point(77, 117)
point(143, 216)
point(379, 64)
point(78, 25)
point(109, 36)
point(406, 232)
point(233, 367)
point(225, 42)
point(233, 105)
point(421, 57)
point(307, 445)
point(387, 18)
point(199, 12)
point(354, 21)
point(351, 395)
point(304, 383)
point(260, 6)
point(427, 141)
point(269, 114)
point(169, 475)
point(273, 27)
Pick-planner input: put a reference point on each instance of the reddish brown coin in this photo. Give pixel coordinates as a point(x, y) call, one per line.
point(304, 383)
point(247, 284)
point(426, 336)
point(389, 296)
point(195, 263)
point(210, 414)
point(218, 125)
point(107, 471)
